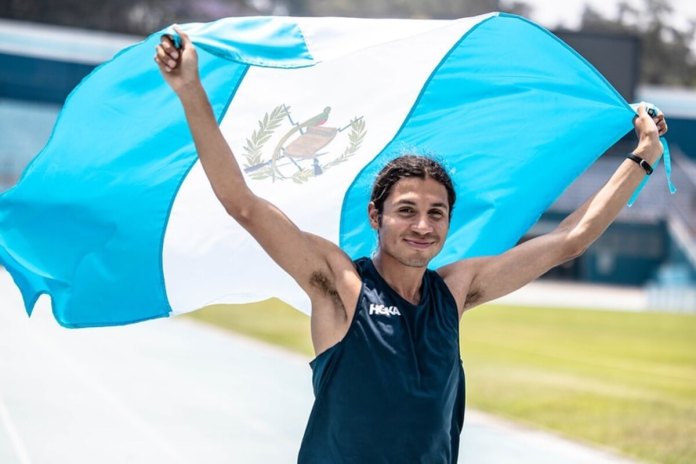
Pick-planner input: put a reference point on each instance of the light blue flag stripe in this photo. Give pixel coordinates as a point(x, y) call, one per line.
point(275, 42)
point(507, 90)
point(508, 98)
point(120, 150)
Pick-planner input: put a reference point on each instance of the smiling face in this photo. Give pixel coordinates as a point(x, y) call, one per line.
point(414, 221)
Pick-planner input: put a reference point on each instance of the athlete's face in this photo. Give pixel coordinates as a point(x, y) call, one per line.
point(414, 222)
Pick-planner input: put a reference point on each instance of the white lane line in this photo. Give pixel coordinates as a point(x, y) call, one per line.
point(17, 443)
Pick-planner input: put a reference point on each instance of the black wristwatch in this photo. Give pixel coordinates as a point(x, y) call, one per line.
point(641, 162)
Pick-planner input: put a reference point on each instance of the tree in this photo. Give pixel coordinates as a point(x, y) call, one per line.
point(400, 8)
point(145, 16)
point(436, 9)
point(129, 16)
point(666, 54)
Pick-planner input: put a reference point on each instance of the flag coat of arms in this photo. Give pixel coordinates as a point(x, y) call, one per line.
point(116, 222)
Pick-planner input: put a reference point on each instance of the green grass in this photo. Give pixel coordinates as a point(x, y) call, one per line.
point(622, 380)
point(625, 381)
point(271, 321)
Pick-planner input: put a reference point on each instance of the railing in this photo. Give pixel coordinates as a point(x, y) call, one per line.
point(674, 289)
point(683, 206)
point(671, 299)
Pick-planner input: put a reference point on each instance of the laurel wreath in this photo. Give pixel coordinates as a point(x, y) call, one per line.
point(253, 149)
point(355, 139)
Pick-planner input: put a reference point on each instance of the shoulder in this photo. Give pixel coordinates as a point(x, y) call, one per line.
point(336, 262)
point(459, 278)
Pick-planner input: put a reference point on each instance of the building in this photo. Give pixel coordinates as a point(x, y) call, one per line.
point(39, 67)
point(652, 243)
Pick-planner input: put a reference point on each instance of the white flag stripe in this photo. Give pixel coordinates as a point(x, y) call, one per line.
point(331, 38)
point(195, 274)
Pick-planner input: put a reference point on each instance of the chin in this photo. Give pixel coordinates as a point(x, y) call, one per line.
point(410, 257)
point(415, 261)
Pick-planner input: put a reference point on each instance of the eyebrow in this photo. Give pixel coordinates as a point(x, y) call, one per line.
point(439, 204)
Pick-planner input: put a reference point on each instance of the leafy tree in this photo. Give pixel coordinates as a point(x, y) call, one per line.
point(129, 16)
point(666, 55)
point(436, 9)
point(144, 16)
point(394, 8)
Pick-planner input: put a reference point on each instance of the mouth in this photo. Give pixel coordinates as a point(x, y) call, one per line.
point(420, 243)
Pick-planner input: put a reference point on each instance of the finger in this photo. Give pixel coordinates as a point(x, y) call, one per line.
point(161, 65)
point(166, 38)
point(165, 58)
point(660, 123)
point(185, 39)
point(169, 47)
point(642, 114)
point(641, 110)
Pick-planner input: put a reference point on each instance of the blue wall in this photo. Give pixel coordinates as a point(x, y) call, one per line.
point(628, 253)
point(682, 133)
point(38, 79)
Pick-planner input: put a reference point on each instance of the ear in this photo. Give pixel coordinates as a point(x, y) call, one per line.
point(373, 214)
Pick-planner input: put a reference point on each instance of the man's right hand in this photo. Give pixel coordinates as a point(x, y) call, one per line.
point(179, 67)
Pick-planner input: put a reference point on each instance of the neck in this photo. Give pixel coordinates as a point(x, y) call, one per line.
point(404, 280)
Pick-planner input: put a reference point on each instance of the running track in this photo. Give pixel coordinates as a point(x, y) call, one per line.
point(176, 391)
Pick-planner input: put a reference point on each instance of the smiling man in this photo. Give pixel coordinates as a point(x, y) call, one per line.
point(388, 380)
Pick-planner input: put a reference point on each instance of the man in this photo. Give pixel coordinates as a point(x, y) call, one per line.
point(387, 377)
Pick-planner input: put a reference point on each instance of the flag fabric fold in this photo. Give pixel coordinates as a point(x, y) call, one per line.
point(115, 221)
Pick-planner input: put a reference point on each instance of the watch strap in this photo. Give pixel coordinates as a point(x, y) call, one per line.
point(641, 162)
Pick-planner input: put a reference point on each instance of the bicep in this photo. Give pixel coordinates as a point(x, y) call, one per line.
point(492, 277)
point(299, 253)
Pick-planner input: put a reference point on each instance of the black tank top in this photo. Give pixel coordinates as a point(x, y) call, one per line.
point(392, 391)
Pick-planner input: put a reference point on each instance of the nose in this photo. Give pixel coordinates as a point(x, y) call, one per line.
point(422, 225)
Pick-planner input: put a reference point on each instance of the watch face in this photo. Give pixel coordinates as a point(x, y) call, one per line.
point(645, 165)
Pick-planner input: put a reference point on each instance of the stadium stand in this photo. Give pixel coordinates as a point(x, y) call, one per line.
point(39, 66)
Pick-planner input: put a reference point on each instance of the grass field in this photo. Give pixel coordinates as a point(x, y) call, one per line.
point(625, 381)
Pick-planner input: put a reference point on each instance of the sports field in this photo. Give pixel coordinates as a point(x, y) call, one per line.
point(625, 381)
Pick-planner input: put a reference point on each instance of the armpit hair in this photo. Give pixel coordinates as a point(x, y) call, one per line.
point(473, 297)
point(320, 281)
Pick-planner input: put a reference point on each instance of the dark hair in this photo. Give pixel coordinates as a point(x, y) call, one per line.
point(410, 166)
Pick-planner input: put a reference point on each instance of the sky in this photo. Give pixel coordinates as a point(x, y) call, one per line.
point(554, 13)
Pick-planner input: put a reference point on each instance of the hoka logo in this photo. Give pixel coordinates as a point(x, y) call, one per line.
point(384, 310)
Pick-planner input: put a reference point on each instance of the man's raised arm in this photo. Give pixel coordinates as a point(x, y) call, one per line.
point(478, 280)
point(300, 254)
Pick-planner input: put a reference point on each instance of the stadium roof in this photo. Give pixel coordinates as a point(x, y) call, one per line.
point(60, 43)
point(675, 102)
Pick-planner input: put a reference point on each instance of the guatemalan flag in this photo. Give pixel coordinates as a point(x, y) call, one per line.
point(116, 221)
